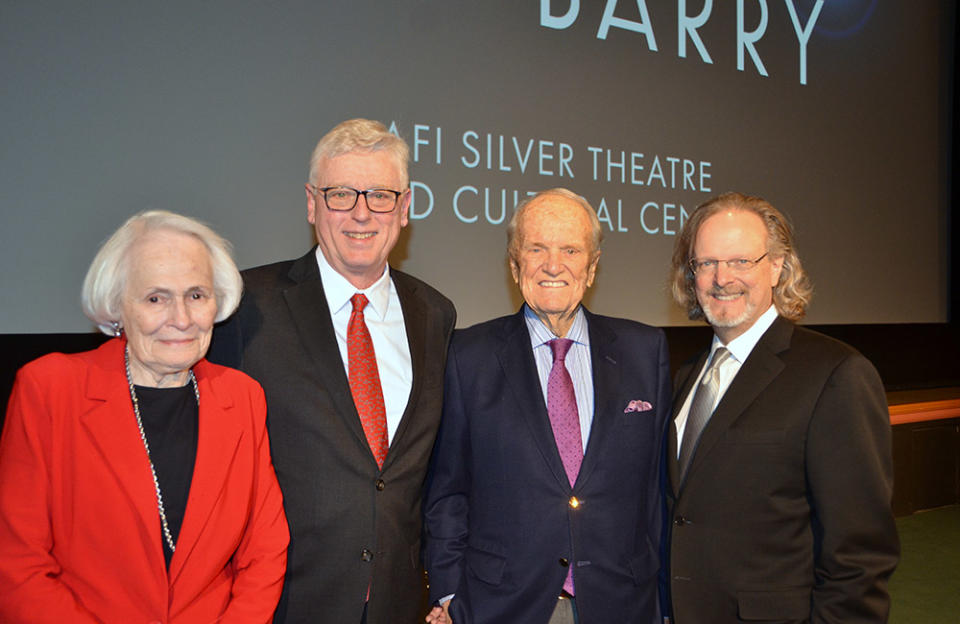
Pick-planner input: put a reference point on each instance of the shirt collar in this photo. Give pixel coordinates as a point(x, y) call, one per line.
point(339, 290)
point(741, 346)
point(540, 335)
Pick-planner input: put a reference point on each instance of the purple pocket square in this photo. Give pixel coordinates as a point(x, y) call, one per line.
point(638, 406)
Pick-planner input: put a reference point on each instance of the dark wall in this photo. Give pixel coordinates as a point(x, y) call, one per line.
point(953, 217)
point(909, 356)
point(18, 349)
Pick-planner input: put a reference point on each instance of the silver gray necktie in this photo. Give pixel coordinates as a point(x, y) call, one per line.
point(701, 408)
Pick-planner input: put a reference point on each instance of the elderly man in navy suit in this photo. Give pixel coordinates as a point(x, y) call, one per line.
point(542, 500)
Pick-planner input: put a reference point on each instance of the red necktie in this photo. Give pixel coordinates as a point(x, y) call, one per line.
point(365, 381)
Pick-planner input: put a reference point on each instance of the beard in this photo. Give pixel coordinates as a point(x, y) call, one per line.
point(719, 318)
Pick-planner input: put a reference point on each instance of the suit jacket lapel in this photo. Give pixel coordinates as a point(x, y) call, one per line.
point(311, 316)
point(520, 371)
point(415, 319)
point(217, 440)
point(112, 427)
point(762, 367)
point(606, 381)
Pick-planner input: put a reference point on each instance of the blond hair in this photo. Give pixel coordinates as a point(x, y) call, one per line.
point(793, 291)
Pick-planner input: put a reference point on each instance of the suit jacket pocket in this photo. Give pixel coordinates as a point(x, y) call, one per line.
point(636, 419)
point(486, 566)
point(777, 605)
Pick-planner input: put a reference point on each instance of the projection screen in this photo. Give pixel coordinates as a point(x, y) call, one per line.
point(836, 112)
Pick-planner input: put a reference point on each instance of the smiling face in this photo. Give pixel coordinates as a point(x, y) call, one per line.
point(168, 307)
point(555, 261)
point(357, 243)
point(733, 300)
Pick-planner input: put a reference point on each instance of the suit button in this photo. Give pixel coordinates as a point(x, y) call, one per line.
point(366, 555)
point(574, 502)
point(680, 521)
point(380, 485)
point(564, 562)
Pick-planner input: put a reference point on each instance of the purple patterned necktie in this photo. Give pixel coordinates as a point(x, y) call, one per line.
point(565, 421)
point(562, 408)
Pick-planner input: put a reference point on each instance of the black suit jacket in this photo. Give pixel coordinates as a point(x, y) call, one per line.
point(351, 524)
point(784, 514)
point(500, 527)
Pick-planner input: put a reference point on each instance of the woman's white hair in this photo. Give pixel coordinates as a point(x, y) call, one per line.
point(107, 276)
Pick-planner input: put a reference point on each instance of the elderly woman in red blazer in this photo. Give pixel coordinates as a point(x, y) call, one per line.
point(135, 480)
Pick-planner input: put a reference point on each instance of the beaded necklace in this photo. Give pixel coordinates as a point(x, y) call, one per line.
point(143, 438)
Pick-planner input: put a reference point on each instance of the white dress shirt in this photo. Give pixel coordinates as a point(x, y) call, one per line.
point(739, 348)
point(384, 318)
point(577, 362)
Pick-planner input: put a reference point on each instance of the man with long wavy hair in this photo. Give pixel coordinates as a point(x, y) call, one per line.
point(780, 475)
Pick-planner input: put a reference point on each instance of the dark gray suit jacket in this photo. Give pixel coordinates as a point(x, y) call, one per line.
point(351, 524)
point(784, 514)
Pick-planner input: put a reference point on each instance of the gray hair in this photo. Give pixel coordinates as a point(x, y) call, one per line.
point(106, 278)
point(360, 135)
point(792, 293)
point(596, 231)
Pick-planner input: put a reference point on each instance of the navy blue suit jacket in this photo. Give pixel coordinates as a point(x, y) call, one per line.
point(500, 527)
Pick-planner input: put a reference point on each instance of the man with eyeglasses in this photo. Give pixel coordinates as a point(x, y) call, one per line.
point(350, 353)
point(780, 475)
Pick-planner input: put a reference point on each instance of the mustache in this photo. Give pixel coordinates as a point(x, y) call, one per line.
point(717, 292)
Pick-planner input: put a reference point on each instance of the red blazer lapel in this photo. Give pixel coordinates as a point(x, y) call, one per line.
point(217, 440)
point(109, 420)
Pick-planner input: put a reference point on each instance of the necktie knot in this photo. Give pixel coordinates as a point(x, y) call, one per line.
point(359, 302)
point(719, 357)
point(560, 347)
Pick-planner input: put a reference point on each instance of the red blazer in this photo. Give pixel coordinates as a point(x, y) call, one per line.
point(79, 528)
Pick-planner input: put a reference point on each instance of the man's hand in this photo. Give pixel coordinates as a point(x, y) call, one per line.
point(440, 615)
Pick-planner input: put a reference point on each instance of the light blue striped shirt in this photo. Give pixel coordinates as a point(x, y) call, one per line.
point(577, 361)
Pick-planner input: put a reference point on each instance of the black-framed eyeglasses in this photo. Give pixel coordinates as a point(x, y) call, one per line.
point(709, 265)
point(344, 198)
